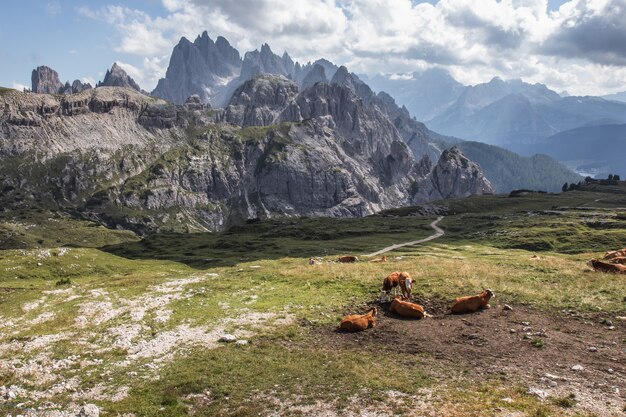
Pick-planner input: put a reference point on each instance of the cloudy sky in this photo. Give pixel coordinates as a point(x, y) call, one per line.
point(577, 45)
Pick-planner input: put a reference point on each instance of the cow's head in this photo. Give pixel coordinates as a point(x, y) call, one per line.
point(590, 262)
point(489, 293)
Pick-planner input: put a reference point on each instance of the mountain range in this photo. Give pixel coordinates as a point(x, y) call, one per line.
point(518, 116)
point(129, 160)
point(289, 139)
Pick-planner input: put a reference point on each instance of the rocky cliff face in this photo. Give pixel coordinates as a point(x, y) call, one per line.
point(259, 101)
point(317, 74)
point(203, 68)
point(456, 176)
point(45, 80)
point(117, 77)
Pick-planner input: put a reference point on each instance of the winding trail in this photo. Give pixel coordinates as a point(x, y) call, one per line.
point(438, 233)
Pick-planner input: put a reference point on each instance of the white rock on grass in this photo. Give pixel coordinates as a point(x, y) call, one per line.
point(241, 342)
point(577, 368)
point(541, 394)
point(89, 410)
point(227, 338)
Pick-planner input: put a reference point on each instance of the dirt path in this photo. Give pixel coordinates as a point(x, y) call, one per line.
point(438, 233)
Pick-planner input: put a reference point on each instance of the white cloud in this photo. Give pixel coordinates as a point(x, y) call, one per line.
point(89, 80)
point(19, 86)
point(72, 52)
point(475, 40)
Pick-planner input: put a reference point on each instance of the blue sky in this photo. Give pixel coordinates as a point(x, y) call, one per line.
point(575, 45)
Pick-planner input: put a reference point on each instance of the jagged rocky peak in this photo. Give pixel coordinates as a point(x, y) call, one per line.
point(316, 75)
point(350, 80)
point(203, 67)
point(259, 101)
point(220, 57)
point(117, 77)
point(45, 80)
point(265, 62)
point(78, 86)
point(456, 175)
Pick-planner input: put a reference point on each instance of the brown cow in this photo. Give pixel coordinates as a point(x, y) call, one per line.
point(606, 267)
point(618, 260)
point(406, 309)
point(383, 259)
point(471, 303)
point(358, 322)
point(347, 259)
point(614, 254)
point(394, 280)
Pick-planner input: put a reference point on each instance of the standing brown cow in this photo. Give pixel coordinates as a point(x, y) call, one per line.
point(393, 281)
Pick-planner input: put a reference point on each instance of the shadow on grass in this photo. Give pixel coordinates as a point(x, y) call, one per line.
point(276, 239)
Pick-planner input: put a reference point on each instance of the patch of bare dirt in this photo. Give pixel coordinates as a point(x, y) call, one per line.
point(557, 354)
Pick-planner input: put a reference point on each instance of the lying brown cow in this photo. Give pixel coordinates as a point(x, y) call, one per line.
point(394, 280)
point(614, 254)
point(471, 303)
point(358, 322)
point(347, 259)
point(618, 260)
point(406, 309)
point(606, 267)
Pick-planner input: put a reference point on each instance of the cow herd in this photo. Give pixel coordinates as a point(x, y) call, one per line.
point(402, 306)
point(613, 261)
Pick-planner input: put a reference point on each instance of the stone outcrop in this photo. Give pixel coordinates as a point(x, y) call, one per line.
point(45, 80)
point(117, 77)
point(203, 68)
point(456, 176)
point(259, 101)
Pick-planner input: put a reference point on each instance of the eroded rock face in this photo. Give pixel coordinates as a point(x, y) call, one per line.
point(45, 80)
point(456, 176)
point(317, 74)
point(258, 102)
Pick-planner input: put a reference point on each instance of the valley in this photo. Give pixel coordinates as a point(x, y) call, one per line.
point(238, 322)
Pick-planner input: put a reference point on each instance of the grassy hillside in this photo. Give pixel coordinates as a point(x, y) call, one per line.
point(508, 171)
point(134, 326)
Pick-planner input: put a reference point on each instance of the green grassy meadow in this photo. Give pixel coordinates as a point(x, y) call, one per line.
point(132, 325)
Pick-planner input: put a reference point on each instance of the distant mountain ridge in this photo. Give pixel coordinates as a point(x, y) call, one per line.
point(595, 150)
